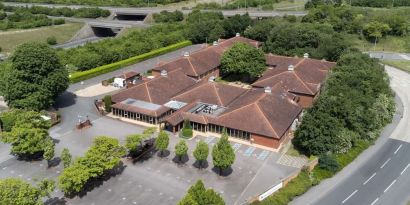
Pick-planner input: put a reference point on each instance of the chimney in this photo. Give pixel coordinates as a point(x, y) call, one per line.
point(306, 55)
point(268, 89)
point(237, 34)
point(164, 73)
point(186, 54)
point(211, 79)
point(291, 68)
point(215, 43)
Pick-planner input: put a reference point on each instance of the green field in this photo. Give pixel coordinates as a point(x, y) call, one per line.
point(400, 64)
point(389, 43)
point(10, 39)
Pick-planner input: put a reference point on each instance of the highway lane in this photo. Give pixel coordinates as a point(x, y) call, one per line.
point(148, 10)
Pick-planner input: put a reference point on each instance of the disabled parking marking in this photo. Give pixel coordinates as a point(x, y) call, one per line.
point(262, 156)
point(249, 151)
point(209, 139)
point(236, 146)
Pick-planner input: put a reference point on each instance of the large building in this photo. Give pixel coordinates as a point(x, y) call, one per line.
point(185, 89)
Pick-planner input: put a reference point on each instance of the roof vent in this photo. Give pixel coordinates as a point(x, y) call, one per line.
point(211, 79)
point(306, 55)
point(164, 73)
point(268, 89)
point(291, 68)
point(186, 54)
point(215, 43)
point(237, 34)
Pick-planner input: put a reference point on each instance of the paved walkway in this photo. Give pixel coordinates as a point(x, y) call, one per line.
point(292, 161)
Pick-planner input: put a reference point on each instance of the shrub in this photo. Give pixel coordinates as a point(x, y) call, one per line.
point(107, 103)
point(51, 40)
point(328, 162)
point(83, 75)
point(187, 130)
point(58, 21)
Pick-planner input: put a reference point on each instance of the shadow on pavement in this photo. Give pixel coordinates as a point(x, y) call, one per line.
point(55, 201)
point(180, 160)
point(201, 165)
point(54, 162)
point(223, 172)
point(164, 153)
point(65, 100)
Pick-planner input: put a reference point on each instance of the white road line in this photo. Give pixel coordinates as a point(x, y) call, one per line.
point(377, 199)
point(397, 149)
point(384, 164)
point(374, 174)
point(349, 196)
point(405, 169)
point(390, 186)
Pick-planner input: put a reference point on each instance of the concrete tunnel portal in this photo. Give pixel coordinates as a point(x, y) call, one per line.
point(130, 16)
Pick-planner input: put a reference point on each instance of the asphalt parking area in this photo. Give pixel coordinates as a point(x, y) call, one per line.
point(157, 180)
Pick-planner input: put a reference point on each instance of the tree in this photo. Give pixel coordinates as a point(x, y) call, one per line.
point(103, 155)
point(243, 59)
point(66, 157)
point(51, 40)
point(223, 154)
point(200, 24)
point(236, 24)
point(201, 152)
point(162, 141)
point(376, 30)
point(181, 149)
point(49, 151)
point(328, 162)
point(18, 192)
point(17, 117)
point(197, 194)
point(36, 77)
point(132, 142)
point(26, 140)
point(107, 103)
point(187, 129)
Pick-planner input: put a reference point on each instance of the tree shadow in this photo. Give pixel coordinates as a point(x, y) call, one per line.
point(223, 172)
point(144, 152)
point(65, 100)
point(164, 153)
point(54, 162)
point(55, 201)
point(201, 164)
point(98, 181)
point(36, 157)
point(180, 160)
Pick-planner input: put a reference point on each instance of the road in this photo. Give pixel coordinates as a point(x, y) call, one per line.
point(381, 174)
point(390, 56)
point(149, 10)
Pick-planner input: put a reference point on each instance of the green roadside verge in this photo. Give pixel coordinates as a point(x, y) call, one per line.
point(305, 180)
point(400, 64)
point(84, 75)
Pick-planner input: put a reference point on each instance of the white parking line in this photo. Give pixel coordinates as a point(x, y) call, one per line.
point(395, 152)
point(377, 199)
point(353, 193)
point(405, 168)
point(384, 164)
point(390, 186)
point(374, 174)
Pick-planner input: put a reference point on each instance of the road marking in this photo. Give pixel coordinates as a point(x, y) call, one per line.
point(377, 199)
point(405, 169)
point(369, 178)
point(384, 164)
point(349, 196)
point(263, 155)
point(236, 146)
point(249, 151)
point(389, 186)
point(397, 149)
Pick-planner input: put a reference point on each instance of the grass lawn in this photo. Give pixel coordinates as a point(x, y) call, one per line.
point(12, 38)
point(400, 64)
point(389, 43)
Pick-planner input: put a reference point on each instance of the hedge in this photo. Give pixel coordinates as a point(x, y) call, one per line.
point(84, 75)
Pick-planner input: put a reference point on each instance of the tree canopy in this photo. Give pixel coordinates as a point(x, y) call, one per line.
point(36, 77)
point(223, 154)
point(181, 149)
point(201, 152)
point(198, 195)
point(162, 141)
point(243, 59)
point(66, 157)
point(15, 191)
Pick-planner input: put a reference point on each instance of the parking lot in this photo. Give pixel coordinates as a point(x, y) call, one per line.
point(155, 180)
